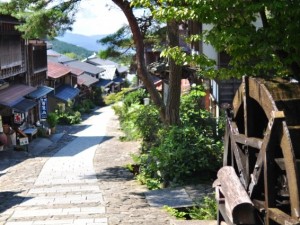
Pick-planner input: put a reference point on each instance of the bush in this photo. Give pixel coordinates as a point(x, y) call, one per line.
point(52, 119)
point(207, 209)
point(97, 97)
point(85, 106)
point(135, 97)
point(115, 97)
point(183, 152)
point(70, 118)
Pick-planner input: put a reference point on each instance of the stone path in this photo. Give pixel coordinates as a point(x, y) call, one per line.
point(81, 180)
point(66, 190)
point(83, 183)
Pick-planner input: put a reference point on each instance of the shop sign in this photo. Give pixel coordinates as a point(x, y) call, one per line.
point(18, 118)
point(43, 108)
point(24, 141)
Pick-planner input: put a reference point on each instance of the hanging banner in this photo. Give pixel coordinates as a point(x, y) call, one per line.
point(43, 108)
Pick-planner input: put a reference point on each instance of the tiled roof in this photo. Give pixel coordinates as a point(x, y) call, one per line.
point(104, 62)
point(76, 71)
point(57, 70)
point(86, 67)
point(87, 80)
point(101, 62)
point(54, 56)
point(14, 94)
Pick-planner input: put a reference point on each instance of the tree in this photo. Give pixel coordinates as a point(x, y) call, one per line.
point(119, 46)
point(42, 19)
point(261, 36)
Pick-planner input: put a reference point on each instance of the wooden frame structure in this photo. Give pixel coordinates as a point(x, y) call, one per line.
point(262, 144)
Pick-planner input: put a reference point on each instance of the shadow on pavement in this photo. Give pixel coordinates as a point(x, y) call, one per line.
point(116, 174)
point(8, 199)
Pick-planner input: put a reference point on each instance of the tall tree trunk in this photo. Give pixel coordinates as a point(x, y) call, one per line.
point(140, 59)
point(173, 101)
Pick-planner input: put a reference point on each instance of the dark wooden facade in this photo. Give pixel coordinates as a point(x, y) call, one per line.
point(23, 69)
point(12, 49)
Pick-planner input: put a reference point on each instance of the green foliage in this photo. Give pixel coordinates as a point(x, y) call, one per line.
point(42, 18)
point(183, 152)
point(148, 123)
point(85, 106)
point(175, 212)
point(42, 132)
point(150, 182)
point(97, 96)
point(117, 43)
point(52, 119)
point(206, 209)
point(69, 118)
point(67, 115)
point(138, 121)
point(133, 97)
point(115, 97)
point(70, 50)
point(175, 153)
point(260, 36)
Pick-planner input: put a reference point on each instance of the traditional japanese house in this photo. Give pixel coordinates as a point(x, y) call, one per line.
point(220, 92)
point(59, 77)
point(22, 69)
point(112, 79)
point(89, 69)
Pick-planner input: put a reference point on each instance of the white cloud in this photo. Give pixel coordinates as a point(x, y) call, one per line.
point(96, 17)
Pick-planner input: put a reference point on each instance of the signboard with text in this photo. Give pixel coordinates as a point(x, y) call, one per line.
point(43, 108)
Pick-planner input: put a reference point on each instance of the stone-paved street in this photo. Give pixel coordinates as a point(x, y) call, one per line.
point(81, 179)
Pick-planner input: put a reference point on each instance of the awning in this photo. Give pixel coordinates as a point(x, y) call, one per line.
point(14, 94)
point(66, 93)
point(104, 83)
point(40, 92)
point(24, 105)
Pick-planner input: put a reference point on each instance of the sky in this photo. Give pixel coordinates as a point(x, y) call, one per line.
point(97, 17)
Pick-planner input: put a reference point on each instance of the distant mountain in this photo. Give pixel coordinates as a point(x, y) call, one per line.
point(64, 47)
point(87, 42)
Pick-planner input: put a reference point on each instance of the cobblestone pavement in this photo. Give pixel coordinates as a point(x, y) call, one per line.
point(78, 181)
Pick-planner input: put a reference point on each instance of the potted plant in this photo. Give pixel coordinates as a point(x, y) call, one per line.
point(52, 120)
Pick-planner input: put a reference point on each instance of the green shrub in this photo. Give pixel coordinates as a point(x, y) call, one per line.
point(97, 96)
point(85, 106)
point(70, 118)
point(135, 97)
point(175, 212)
point(207, 209)
point(52, 119)
point(183, 152)
point(115, 97)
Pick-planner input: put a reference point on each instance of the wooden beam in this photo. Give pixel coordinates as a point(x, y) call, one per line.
point(249, 141)
point(281, 218)
point(237, 202)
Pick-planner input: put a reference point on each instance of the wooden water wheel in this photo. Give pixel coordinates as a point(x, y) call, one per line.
point(262, 145)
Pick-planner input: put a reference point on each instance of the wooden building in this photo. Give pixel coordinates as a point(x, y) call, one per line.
point(23, 69)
